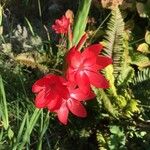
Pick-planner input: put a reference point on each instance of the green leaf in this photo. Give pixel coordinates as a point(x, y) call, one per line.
point(30, 126)
point(140, 86)
point(102, 97)
point(3, 106)
point(81, 20)
point(117, 139)
point(132, 107)
point(114, 40)
point(44, 127)
point(139, 59)
point(10, 133)
point(30, 26)
point(144, 48)
point(1, 14)
point(127, 73)
point(22, 127)
point(102, 145)
point(147, 37)
point(114, 129)
point(110, 77)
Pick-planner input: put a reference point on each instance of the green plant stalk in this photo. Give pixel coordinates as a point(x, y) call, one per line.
point(20, 132)
point(43, 128)
point(81, 20)
point(3, 106)
point(39, 7)
point(22, 126)
point(30, 127)
point(1, 27)
point(30, 26)
point(40, 136)
point(1, 14)
point(100, 26)
point(1, 134)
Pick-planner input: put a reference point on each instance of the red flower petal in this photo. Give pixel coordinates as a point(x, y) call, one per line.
point(76, 108)
point(103, 61)
point(70, 54)
point(40, 84)
point(61, 90)
point(83, 82)
point(40, 101)
point(97, 79)
point(81, 42)
point(54, 103)
point(88, 53)
point(93, 68)
point(63, 114)
point(79, 95)
point(61, 25)
point(95, 48)
point(75, 59)
point(88, 58)
point(70, 75)
point(89, 61)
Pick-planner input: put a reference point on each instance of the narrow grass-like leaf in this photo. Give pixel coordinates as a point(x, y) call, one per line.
point(29, 128)
point(1, 134)
point(81, 20)
point(30, 26)
point(1, 14)
point(20, 132)
point(39, 7)
point(44, 126)
point(3, 106)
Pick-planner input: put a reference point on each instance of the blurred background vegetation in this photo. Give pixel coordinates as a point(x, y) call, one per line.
point(120, 117)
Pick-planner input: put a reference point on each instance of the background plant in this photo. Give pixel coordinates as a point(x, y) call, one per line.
point(118, 119)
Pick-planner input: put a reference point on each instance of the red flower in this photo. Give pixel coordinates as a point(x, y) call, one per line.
point(56, 94)
point(83, 67)
point(50, 91)
point(61, 25)
point(73, 104)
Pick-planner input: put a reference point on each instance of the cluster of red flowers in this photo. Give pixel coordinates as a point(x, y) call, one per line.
point(61, 25)
point(63, 94)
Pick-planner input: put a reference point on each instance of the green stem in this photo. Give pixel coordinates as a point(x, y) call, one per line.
point(95, 32)
point(30, 127)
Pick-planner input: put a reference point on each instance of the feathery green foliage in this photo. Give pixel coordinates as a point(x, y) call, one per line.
point(102, 144)
point(114, 40)
point(142, 75)
point(116, 47)
point(103, 98)
point(140, 86)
